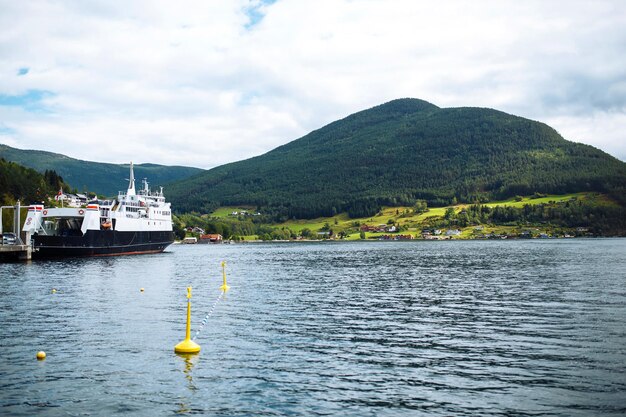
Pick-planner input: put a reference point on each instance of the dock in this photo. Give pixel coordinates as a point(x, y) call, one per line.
point(15, 252)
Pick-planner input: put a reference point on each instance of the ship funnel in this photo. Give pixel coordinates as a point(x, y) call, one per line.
point(131, 181)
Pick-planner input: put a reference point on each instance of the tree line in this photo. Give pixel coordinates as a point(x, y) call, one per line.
point(27, 185)
point(600, 219)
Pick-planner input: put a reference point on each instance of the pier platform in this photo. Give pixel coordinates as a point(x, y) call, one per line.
point(15, 253)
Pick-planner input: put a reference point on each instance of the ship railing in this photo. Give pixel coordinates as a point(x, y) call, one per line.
point(149, 194)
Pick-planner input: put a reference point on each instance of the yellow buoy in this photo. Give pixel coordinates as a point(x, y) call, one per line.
point(141, 289)
point(225, 287)
point(187, 345)
point(54, 290)
point(41, 355)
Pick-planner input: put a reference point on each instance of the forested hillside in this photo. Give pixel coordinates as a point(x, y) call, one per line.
point(26, 184)
point(401, 151)
point(101, 178)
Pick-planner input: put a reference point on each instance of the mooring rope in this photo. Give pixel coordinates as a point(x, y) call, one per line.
point(206, 318)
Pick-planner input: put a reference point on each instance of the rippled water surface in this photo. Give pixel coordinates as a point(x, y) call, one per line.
point(363, 329)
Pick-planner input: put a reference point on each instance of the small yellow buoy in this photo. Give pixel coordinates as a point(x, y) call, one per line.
point(187, 345)
point(54, 290)
point(141, 289)
point(225, 287)
point(41, 355)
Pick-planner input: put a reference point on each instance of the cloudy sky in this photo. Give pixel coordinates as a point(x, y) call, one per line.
point(203, 83)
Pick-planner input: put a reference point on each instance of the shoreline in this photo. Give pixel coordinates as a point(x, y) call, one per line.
point(258, 241)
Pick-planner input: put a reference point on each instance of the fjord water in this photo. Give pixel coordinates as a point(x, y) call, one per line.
point(363, 328)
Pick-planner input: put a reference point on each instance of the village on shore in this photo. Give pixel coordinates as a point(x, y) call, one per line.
point(197, 235)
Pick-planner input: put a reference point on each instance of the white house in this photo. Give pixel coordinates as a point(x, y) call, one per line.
point(69, 200)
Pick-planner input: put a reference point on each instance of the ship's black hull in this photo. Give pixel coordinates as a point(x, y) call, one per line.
point(101, 243)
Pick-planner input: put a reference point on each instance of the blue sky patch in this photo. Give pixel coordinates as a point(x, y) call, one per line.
point(248, 97)
point(6, 130)
point(23, 71)
point(255, 14)
point(31, 101)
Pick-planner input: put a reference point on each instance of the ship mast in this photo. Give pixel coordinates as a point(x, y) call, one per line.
point(131, 181)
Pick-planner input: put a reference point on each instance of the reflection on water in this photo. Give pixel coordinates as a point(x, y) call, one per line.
point(189, 360)
point(363, 329)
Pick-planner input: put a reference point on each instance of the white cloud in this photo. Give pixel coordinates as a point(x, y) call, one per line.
point(194, 83)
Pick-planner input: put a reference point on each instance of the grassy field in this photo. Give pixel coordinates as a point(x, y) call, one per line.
point(541, 200)
point(227, 211)
point(404, 216)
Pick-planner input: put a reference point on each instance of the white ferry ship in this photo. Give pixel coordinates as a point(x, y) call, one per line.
point(134, 223)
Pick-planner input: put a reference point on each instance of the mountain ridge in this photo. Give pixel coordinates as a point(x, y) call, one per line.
point(100, 177)
point(400, 151)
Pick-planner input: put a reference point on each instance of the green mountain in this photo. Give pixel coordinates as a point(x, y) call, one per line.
point(401, 151)
point(25, 184)
point(101, 178)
